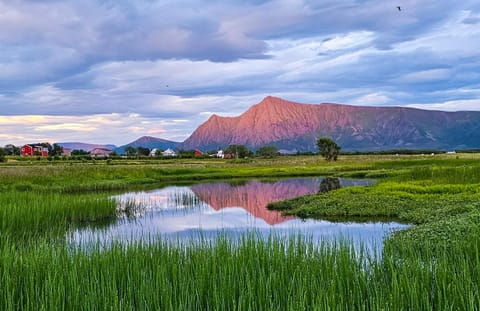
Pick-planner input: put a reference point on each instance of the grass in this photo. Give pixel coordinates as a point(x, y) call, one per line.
point(433, 265)
point(256, 275)
point(25, 213)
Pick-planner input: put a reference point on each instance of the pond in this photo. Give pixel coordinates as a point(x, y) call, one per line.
point(232, 209)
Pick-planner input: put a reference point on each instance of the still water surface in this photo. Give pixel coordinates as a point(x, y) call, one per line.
point(205, 210)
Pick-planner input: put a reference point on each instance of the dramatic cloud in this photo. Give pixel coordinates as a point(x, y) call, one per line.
point(110, 71)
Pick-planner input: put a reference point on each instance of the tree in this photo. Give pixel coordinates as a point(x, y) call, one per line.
point(143, 151)
point(11, 150)
point(130, 151)
point(267, 152)
point(2, 155)
point(55, 150)
point(328, 148)
point(239, 151)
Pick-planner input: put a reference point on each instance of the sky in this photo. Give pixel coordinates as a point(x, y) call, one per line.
point(110, 71)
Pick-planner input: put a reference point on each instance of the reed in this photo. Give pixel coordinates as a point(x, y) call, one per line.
point(30, 213)
point(251, 274)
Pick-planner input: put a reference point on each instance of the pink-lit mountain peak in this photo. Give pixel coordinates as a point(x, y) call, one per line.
point(296, 127)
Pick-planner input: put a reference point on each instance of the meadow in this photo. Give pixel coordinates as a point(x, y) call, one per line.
point(435, 264)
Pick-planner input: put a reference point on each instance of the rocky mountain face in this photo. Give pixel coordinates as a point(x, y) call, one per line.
point(148, 142)
point(296, 127)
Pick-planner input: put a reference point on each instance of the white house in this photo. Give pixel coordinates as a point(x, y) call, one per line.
point(153, 152)
point(220, 154)
point(169, 153)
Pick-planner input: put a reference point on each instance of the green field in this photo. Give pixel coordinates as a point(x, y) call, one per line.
point(434, 265)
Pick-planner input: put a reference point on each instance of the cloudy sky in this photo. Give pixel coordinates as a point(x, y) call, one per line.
point(110, 71)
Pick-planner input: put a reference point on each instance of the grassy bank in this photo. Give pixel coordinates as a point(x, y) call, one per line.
point(441, 197)
point(433, 265)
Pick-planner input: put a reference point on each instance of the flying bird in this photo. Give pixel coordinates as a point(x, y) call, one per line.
point(399, 8)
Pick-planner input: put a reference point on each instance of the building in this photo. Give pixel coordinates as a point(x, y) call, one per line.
point(197, 153)
point(220, 154)
point(33, 150)
point(154, 152)
point(169, 153)
point(100, 152)
point(66, 151)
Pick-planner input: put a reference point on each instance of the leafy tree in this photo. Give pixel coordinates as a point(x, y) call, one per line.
point(130, 151)
point(267, 152)
point(240, 151)
point(11, 150)
point(143, 151)
point(2, 155)
point(55, 150)
point(328, 148)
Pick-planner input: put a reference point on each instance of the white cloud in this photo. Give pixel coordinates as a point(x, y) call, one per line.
point(114, 128)
point(348, 41)
point(452, 105)
point(425, 76)
point(452, 39)
point(371, 99)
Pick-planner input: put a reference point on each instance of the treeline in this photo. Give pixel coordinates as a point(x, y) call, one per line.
point(394, 152)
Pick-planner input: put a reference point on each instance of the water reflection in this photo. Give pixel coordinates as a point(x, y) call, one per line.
point(329, 184)
point(207, 209)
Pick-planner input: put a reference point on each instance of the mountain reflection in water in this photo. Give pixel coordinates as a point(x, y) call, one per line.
point(255, 195)
point(208, 209)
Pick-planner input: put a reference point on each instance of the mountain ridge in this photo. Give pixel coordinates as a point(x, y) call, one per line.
point(148, 142)
point(85, 146)
point(295, 126)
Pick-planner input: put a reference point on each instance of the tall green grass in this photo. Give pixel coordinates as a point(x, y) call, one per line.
point(31, 213)
point(255, 275)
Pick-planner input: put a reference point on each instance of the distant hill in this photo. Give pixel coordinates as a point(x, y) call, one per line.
point(295, 127)
point(85, 146)
point(150, 143)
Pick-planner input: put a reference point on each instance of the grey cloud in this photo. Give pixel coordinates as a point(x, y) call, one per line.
point(472, 20)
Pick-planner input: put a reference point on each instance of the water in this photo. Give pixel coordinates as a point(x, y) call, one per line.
point(205, 210)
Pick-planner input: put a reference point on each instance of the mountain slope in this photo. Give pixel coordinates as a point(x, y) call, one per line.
point(85, 146)
point(150, 143)
point(293, 126)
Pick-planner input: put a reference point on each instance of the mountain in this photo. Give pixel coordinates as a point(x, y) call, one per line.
point(85, 146)
point(295, 127)
point(150, 143)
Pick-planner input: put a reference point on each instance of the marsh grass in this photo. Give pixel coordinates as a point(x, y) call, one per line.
point(251, 275)
point(431, 266)
point(31, 213)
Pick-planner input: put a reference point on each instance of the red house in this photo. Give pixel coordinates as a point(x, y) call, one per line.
point(33, 150)
point(197, 153)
